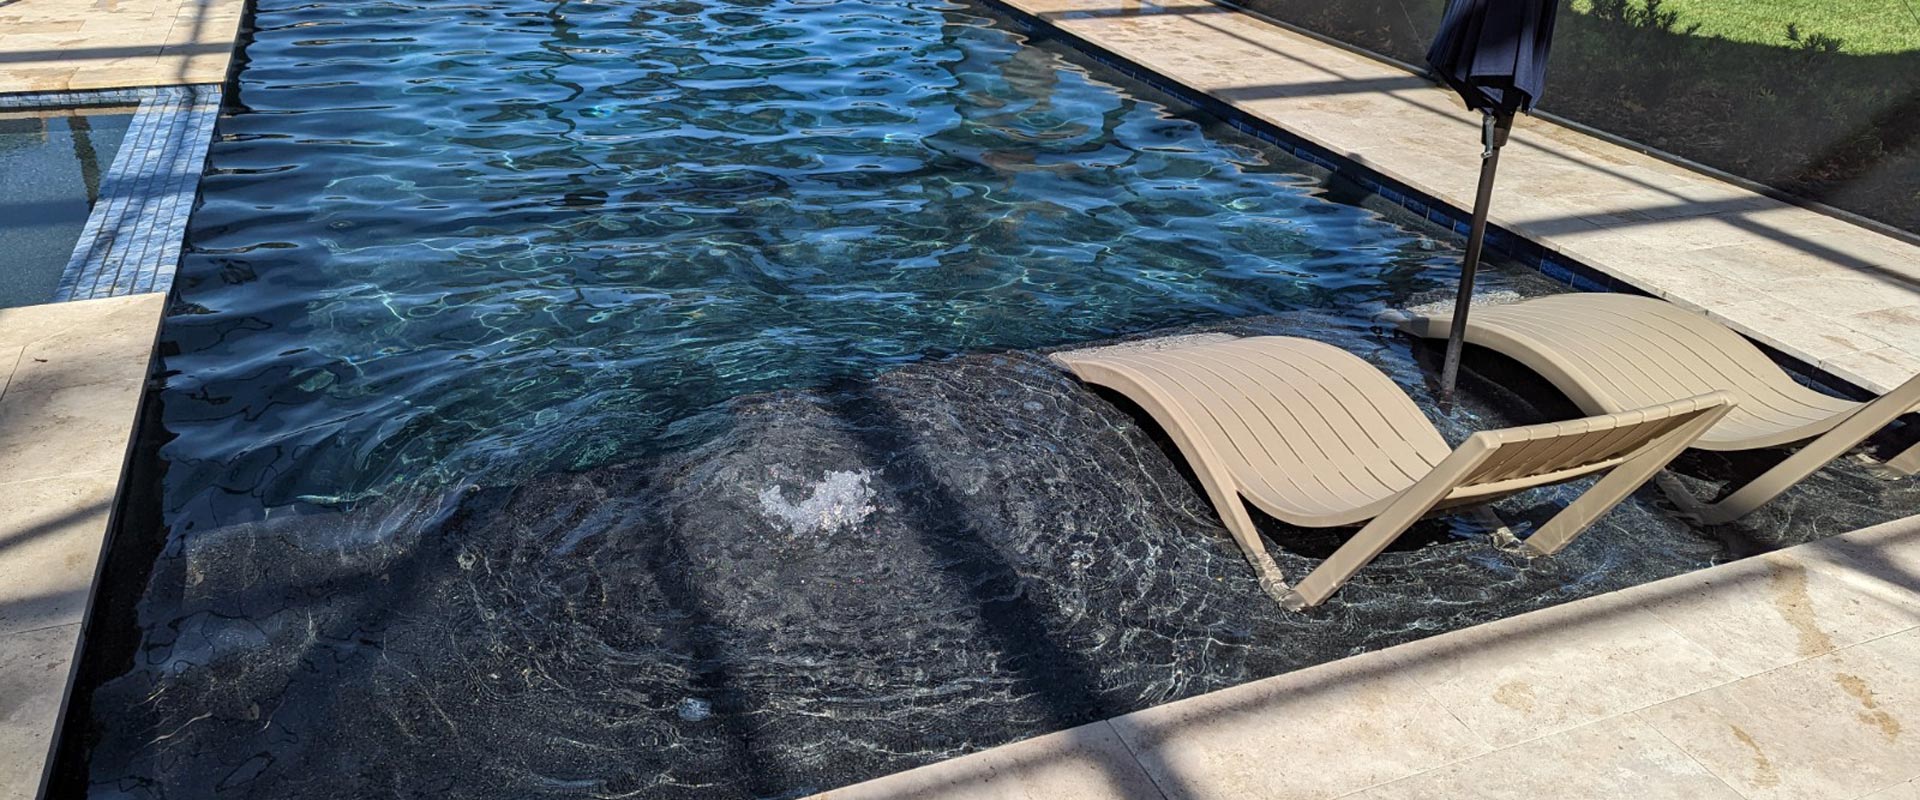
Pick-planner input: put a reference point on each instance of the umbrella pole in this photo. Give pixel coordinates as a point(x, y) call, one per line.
point(1493, 133)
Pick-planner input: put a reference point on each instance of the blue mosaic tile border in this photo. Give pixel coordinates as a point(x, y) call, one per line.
point(131, 243)
point(1557, 266)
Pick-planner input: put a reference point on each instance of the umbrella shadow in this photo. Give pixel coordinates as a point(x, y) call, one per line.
point(1739, 213)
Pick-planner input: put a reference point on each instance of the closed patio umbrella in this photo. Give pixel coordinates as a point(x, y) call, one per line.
point(1494, 53)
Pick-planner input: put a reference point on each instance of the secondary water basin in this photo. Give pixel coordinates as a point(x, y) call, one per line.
point(51, 163)
point(640, 399)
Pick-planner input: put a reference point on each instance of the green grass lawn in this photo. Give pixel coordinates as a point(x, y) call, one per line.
point(1863, 26)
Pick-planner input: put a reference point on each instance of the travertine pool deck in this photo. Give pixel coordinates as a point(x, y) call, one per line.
point(1790, 675)
point(71, 376)
point(1828, 292)
point(63, 45)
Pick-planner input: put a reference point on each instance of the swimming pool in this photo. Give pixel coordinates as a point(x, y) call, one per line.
point(639, 399)
point(487, 241)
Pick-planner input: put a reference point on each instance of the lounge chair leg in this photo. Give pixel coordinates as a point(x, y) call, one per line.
point(1784, 475)
point(1400, 515)
point(1616, 485)
point(1214, 478)
point(1233, 514)
point(1862, 423)
point(1680, 495)
point(1358, 551)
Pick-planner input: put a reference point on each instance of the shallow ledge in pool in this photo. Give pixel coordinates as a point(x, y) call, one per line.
point(846, 583)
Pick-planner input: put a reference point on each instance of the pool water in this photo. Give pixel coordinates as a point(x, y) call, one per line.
point(474, 243)
point(51, 163)
point(639, 399)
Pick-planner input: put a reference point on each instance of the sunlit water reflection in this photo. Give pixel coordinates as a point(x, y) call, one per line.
point(558, 403)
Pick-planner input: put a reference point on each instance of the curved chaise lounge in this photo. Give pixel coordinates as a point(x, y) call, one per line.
point(1608, 352)
point(1317, 437)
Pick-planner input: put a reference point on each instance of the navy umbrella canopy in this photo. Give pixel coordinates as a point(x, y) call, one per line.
point(1494, 53)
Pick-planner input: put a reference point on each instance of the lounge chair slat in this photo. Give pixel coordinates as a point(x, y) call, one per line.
point(1622, 364)
point(1598, 355)
point(1344, 407)
point(1307, 412)
point(1619, 371)
point(1659, 358)
point(1726, 354)
point(1610, 352)
point(1284, 417)
point(1381, 423)
point(1317, 437)
point(1266, 438)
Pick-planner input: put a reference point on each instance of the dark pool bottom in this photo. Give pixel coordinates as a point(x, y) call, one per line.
point(847, 583)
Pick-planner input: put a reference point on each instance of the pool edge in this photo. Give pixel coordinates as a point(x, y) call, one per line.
point(1543, 259)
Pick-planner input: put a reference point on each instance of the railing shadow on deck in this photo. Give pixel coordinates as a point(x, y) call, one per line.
point(1428, 98)
point(1003, 770)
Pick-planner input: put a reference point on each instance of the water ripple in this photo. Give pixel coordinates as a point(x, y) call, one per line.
point(477, 242)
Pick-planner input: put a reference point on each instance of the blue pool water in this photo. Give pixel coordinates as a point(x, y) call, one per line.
point(466, 243)
point(638, 399)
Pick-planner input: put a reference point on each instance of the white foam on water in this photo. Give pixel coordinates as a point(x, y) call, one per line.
point(840, 500)
point(1497, 297)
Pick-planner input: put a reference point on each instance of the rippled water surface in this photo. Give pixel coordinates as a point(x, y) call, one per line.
point(636, 399)
point(470, 241)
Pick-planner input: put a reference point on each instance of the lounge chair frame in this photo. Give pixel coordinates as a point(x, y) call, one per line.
point(1628, 447)
point(1559, 336)
point(1469, 461)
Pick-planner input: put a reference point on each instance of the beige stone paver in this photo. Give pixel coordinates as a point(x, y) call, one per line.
point(63, 45)
point(72, 375)
point(72, 392)
point(1836, 726)
point(1619, 757)
point(1906, 791)
point(1524, 677)
point(1882, 563)
point(1773, 610)
point(49, 541)
point(1645, 692)
point(1358, 723)
point(1703, 243)
point(38, 430)
point(33, 676)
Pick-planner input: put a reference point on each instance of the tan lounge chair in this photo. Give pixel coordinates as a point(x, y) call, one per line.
point(1317, 437)
point(1609, 352)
